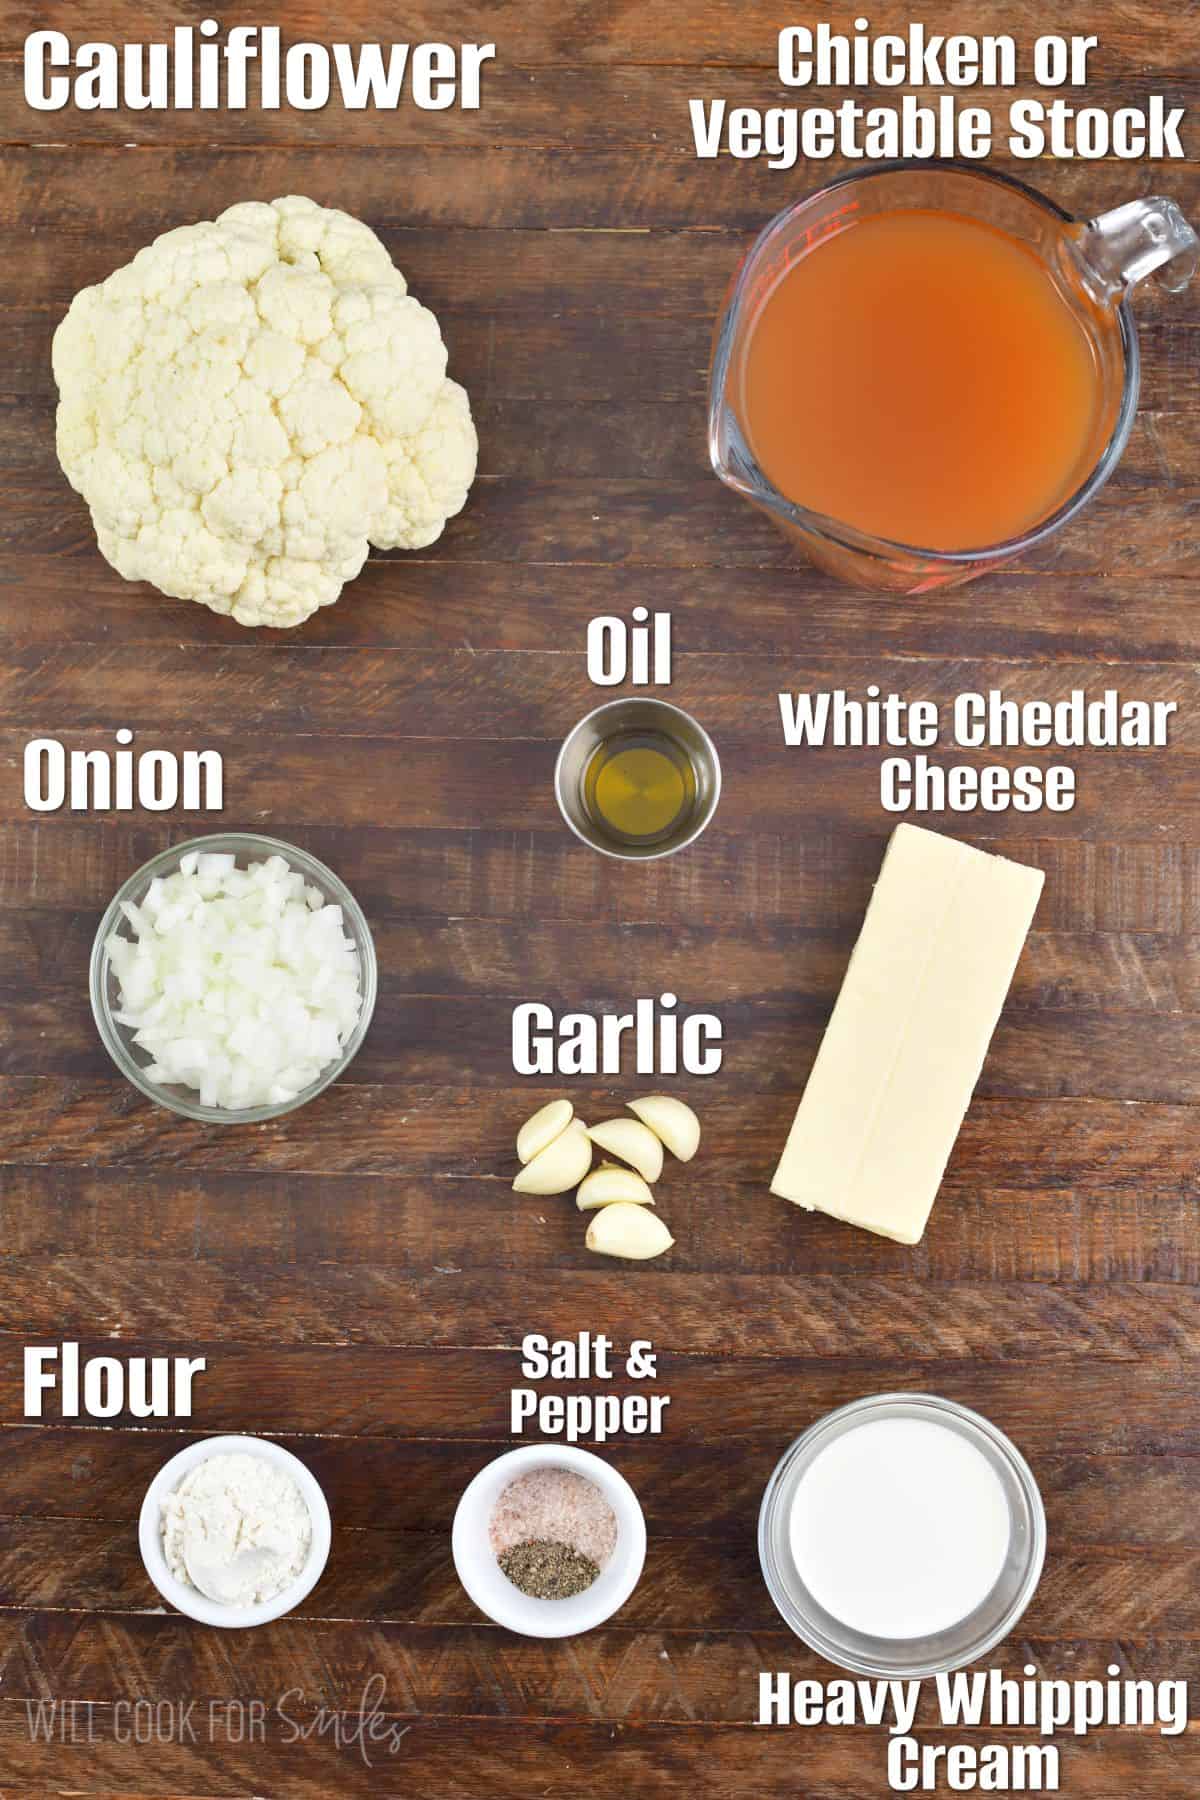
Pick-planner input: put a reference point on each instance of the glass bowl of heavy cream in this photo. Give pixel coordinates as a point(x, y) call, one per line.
point(902, 1536)
point(234, 1531)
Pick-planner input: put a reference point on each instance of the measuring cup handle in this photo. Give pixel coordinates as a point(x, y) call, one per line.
point(1144, 237)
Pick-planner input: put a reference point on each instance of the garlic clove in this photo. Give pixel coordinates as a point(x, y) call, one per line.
point(546, 1124)
point(629, 1231)
point(633, 1142)
point(671, 1120)
point(609, 1185)
point(561, 1165)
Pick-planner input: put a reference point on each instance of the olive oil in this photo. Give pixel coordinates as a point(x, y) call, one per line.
point(639, 786)
point(637, 779)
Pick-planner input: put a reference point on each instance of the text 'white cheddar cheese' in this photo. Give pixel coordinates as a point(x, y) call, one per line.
point(902, 1053)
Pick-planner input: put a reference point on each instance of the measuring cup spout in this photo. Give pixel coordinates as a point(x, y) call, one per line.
point(1119, 249)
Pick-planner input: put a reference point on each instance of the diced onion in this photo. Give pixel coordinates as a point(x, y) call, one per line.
point(241, 984)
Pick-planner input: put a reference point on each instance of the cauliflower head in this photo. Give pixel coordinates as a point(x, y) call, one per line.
point(254, 401)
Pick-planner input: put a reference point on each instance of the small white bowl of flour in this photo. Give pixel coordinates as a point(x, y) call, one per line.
point(234, 1531)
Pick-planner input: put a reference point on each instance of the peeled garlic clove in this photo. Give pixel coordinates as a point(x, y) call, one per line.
point(546, 1124)
point(631, 1231)
point(672, 1121)
point(608, 1185)
point(561, 1165)
point(633, 1142)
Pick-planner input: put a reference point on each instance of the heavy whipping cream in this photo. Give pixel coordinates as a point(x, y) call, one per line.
point(237, 1528)
point(900, 1528)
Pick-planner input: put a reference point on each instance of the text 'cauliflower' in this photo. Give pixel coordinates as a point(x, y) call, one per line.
point(254, 401)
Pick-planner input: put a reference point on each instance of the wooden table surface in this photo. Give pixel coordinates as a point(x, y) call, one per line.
point(359, 1274)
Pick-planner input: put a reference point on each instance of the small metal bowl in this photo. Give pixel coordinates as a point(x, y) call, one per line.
point(612, 720)
point(911, 1658)
point(132, 1060)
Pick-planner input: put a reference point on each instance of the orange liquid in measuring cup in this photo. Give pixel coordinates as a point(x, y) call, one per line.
point(918, 375)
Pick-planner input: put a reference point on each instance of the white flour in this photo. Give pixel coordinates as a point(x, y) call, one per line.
point(237, 1528)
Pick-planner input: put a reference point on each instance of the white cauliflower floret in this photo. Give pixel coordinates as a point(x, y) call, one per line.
point(254, 401)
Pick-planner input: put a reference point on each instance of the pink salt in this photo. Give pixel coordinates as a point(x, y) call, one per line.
point(558, 1506)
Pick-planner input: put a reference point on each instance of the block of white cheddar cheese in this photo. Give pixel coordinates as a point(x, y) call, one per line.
point(902, 1053)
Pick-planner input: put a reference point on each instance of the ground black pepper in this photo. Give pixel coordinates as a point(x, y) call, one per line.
point(548, 1571)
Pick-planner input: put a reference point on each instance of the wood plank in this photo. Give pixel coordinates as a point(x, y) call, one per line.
point(495, 694)
point(636, 1676)
point(405, 1578)
point(561, 358)
point(728, 31)
point(404, 1483)
point(503, 275)
point(757, 1314)
point(522, 188)
point(818, 880)
point(351, 1130)
point(770, 1045)
point(524, 438)
point(978, 1233)
point(1114, 619)
point(359, 1274)
point(528, 103)
point(459, 1760)
point(1121, 795)
point(1104, 972)
point(672, 525)
point(383, 1400)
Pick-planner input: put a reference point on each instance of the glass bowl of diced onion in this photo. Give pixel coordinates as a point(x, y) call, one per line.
point(253, 1011)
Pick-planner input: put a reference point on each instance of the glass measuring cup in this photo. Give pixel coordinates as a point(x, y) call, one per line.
point(1095, 266)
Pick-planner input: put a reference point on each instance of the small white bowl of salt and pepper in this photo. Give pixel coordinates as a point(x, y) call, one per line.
point(580, 1513)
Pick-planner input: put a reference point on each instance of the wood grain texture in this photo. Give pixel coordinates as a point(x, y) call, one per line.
point(636, 1675)
point(359, 1275)
point(460, 1758)
point(528, 105)
point(727, 32)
